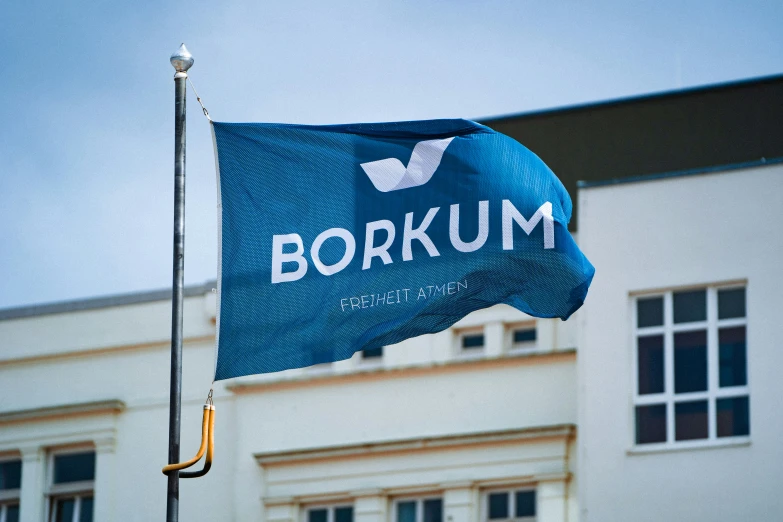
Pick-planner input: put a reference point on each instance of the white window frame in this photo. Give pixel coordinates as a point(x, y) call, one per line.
point(9, 497)
point(511, 490)
point(330, 508)
point(525, 347)
point(4, 504)
point(419, 499)
point(469, 353)
point(76, 490)
point(668, 397)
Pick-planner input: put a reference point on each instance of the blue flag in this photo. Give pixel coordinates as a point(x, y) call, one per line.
point(335, 239)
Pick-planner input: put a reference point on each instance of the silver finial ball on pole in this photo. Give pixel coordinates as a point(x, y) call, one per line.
point(182, 60)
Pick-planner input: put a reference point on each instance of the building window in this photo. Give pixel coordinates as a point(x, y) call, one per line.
point(419, 510)
point(9, 511)
point(372, 354)
point(338, 513)
point(691, 366)
point(522, 337)
point(10, 482)
point(470, 340)
point(71, 485)
point(510, 505)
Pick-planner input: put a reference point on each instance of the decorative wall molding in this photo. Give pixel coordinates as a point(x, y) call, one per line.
point(403, 372)
point(562, 431)
point(93, 352)
point(90, 423)
point(66, 410)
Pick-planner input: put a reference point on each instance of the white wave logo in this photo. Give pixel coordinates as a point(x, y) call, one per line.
point(390, 174)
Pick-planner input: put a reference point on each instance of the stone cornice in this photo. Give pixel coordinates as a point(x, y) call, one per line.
point(101, 350)
point(564, 432)
point(108, 407)
point(383, 372)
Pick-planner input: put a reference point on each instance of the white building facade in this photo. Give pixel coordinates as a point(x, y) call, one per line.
point(659, 400)
point(680, 395)
point(443, 427)
point(669, 413)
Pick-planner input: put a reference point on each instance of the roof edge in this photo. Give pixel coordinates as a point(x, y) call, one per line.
point(680, 173)
point(698, 89)
point(94, 303)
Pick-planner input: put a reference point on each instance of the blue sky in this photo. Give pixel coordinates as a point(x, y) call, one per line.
point(86, 99)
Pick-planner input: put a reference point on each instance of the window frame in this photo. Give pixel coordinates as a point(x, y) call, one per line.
point(712, 325)
point(511, 490)
point(9, 497)
point(470, 353)
point(330, 509)
point(419, 500)
point(523, 347)
point(4, 505)
point(376, 360)
point(76, 490)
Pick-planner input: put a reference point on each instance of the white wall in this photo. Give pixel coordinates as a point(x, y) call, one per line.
point(665, 234)
point(423, 388)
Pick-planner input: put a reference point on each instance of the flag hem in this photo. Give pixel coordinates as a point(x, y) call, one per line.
point(219, 252)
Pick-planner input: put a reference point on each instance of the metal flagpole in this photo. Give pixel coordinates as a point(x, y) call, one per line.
point(182, 61)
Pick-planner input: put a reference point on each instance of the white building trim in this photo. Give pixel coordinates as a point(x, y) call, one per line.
point(456, 468)
point(34, 433)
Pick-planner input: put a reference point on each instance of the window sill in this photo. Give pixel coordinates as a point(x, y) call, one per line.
point(376, 362)
point(319, 369)
point(71, 488)
point(470, 354)
point(525, 350)
point(733, 442)
point(9, 495)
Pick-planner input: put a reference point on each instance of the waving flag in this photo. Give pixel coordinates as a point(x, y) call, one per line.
point(335, 239)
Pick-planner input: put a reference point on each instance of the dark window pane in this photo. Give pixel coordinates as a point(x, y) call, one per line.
point(406, 511)
point(690, 306)
point(498, 505)
point(649, 312)
point(433, 510)
point(12, 513)
point(473, 341)
point(65, 508)
point(650, 364)
point(731, 303)
point(372, 353)
point(525, 335)
point(526, 504)
point(74, 467)
point(690, 420)
point(85, 510)
point(733, 417)
point(10, 474)
point(690, 361)
point(651, 424)
point(343, 514)
point(732, 357)
point(317, 515)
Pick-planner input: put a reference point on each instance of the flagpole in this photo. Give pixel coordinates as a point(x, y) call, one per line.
point(182, 61)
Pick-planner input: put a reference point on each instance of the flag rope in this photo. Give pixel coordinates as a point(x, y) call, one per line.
point(198, 99)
